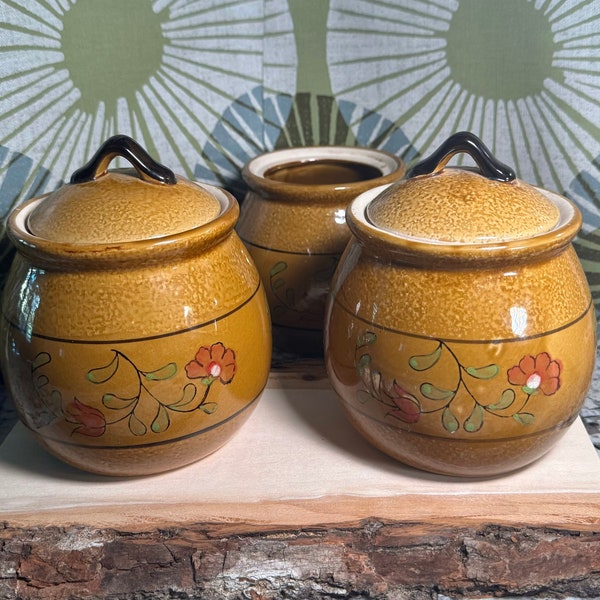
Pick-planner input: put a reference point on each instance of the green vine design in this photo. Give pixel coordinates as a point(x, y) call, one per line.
point(47, 406)
point(288, 298)
point(127, 406)
point(210, 364)
point(465, 375)
point(409, 408)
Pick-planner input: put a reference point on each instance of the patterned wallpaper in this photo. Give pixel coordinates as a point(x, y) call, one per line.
point(205, 85)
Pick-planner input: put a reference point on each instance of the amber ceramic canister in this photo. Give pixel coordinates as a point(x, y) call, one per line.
point(293, 221)
point(460, 333)
point(135, 337)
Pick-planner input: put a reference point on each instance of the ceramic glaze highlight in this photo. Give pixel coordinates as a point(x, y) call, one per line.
point(461, 359)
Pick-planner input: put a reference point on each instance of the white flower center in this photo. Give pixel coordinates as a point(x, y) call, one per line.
point(214, 369)
point(533, 381)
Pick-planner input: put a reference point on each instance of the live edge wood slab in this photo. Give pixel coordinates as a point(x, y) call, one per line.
point(297, 505)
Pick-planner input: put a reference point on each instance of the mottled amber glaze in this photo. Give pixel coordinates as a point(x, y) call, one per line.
point(121, 207)
point(504, 211)
point(296, 232)
point(135, 357)
point(461, 359)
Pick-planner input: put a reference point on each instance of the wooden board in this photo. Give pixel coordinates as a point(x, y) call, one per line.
point(298, 501)
point(297, 462)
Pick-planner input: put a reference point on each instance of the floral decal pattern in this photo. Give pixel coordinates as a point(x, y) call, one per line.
point(211, 364)
point(534, 374)
point(88, 420)
point(216, 362)
point(540, 374)
point(303, 303)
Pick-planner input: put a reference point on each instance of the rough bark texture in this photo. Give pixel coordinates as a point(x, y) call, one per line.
point(371, 560)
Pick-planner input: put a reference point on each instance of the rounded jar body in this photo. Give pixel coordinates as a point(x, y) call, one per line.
point(138, 357)
point(460, 331)
point(293, 222)
point(470, 372)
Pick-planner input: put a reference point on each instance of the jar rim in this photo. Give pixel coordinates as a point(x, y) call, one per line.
point(46, 251)
point(254, 171)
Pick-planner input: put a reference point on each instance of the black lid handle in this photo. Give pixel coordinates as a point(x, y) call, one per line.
point(464, 141)
point(122, 145)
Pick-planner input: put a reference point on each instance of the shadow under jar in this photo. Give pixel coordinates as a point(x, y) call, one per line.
point(460, 332)
point(293, 221)
point(135, 333)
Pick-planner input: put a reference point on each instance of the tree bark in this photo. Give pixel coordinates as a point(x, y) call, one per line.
point(372, 559)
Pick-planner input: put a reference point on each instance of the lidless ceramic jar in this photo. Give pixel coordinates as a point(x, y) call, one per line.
point(460, 333)
point(293, 221)
point(136, 336)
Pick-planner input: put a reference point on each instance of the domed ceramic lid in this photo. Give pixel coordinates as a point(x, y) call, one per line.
point(102, 206)
point(462, 205)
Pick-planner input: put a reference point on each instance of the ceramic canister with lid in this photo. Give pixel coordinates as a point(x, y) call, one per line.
point(135, 334)
point(460, 332)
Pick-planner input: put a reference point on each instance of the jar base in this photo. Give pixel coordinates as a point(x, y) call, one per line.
point(145, 460)
point(455, 457)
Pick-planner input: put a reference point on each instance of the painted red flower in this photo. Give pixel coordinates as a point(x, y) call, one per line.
point(89, 420)
point(216, 362)
point(536, 373)
point(408, 408)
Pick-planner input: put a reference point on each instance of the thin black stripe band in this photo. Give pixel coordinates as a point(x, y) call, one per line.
point(152, 444)
point(460, 341)
point(141, 339)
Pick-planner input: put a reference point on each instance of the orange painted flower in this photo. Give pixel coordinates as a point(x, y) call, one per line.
point(536, 373)
point(408, 409)
point(216, 362)
point(89, 420)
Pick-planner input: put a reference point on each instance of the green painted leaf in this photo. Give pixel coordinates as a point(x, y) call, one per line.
point(278, 267)
point(41, 381)
point(449, 421)
point(474, 422)
point(506, 399)
point(363, 362)
point(161, 420)
point(524, 418)
point(209, 407)
point(487, 372)
point(277, 283)
point(422, 362)
point(366, 339)
point(42, 359)
point(114, 402)
point(103, 374)
point(435, 393)
point(136, 426)
point(187, 396)
point(163, 373)
point(55, 398)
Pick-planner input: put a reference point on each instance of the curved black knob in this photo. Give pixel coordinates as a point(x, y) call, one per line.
point(464, 141)
point(123, 145)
